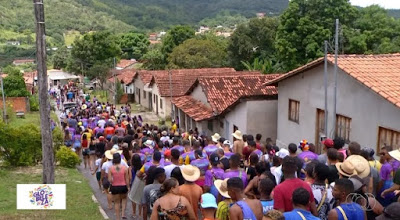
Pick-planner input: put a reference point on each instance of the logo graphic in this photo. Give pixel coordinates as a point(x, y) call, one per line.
point(42, 197)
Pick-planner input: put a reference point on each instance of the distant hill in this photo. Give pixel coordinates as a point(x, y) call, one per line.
point(394, 12)
point(160, 14)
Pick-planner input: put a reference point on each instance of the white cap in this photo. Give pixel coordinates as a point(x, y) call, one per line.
point(227, 142)
point(282, 153)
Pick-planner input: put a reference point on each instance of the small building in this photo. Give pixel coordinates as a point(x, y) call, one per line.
point(224, 104)
point(125, 64)
point(367, 103)
point(14, 42)
point(59, 77)
point(23, 62)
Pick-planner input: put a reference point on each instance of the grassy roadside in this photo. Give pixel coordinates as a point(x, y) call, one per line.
point(31, 118)
point(79, 202)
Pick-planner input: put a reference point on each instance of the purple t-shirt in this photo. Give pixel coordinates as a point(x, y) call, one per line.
point(307, 156)
point(164, 163)
point(84, 122)
point(202, 164)
point(216, 173)
point(387, 169)
point(228, 154)
point(258, 152)
point(190, 154)
point(180, 148)
point(148, 152)
point(210, 149)
point(147, 165)
point(237, 173)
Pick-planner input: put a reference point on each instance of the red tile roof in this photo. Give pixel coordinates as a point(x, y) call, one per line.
point(29, 77)
point(193, 108)
point(125, 76)
point(380, 73)
point(223, 92)
point(125, 63)
point(183, 79)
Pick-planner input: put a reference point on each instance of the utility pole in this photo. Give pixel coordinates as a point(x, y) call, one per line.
point(170, 90)
point(4, 99)
point(326, 87)
point(115, 84)
point(335, 73)
point(44, 104)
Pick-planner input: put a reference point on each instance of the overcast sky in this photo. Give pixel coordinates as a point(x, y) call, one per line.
point(388, 4)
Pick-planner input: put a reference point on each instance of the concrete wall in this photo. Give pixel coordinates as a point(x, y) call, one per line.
point(130, 89)
point(367, 109)
point(17, 104)
point(144, 101)
point(198, 94)
point(262, 118)
point(238, 117)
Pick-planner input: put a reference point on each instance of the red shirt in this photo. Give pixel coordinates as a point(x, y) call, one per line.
point(283, 193)
point(109, 131)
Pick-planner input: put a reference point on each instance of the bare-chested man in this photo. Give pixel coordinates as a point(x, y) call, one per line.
point(238, 143)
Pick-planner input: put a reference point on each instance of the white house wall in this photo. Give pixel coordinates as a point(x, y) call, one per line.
point(238, 117)
point(262, 118)
point(367, 109)
point(198, 94)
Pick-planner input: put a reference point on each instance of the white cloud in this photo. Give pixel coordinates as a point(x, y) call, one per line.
point(388, 4)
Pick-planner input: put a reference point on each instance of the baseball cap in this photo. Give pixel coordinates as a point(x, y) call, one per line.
point(208, 201)
point(282, 153)
point(227, 142)
point(214, 159)
point(167, 153)
point(328, 142)
point(101, 138)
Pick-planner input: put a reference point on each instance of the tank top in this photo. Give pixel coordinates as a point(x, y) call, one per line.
point(246, 210)
point(351, 210)
point(118, 176)
point(84, 144)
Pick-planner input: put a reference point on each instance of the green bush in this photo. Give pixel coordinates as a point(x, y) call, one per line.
point(34, 102)
point(67, 157)
point(58, 138)
point(20, 146)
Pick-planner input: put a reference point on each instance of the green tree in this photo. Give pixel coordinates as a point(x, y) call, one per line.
point(154, 59)
point(14, 86)
point(305, 25)
point(100, 71)
point(176, 36)
point(60, 58)
point(264, 66)
point(195, 53)
point(134, 45)
point(251, 40)
point(374, 31)
point(93, 48)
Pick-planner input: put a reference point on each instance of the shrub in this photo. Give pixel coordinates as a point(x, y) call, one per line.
point(34, 102)
point(58, 138)
point(67, 157)
point(20, 146)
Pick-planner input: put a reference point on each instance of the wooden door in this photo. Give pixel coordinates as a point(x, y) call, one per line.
point(319, 129)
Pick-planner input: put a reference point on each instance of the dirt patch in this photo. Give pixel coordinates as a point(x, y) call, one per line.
point(30, 170)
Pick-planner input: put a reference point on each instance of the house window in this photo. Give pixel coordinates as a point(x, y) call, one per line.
point(294, 110)
point(388, 137)
point(161, 104)
point(210, 125)
point(343, 127)
point(144, 94)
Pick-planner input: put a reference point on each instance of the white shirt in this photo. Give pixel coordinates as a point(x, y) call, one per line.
point(98, 163)
point(168, 169)
point(101, 122)
point(107, 165)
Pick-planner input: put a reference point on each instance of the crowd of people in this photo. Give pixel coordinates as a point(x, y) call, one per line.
point(168, 173)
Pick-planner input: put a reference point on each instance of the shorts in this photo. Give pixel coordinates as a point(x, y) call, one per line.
point(106, 183)
point(118, 190)
point(98, 175)
point(92, 152)
point(85, 152)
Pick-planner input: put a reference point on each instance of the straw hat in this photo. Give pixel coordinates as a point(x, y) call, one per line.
point(361, 165)
point(222, 187)
point(215, 137)
point(190, 173)
point(238, 135)
point(346, 168)
point(84, 106)
point(109, 153)
point(395, 154)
